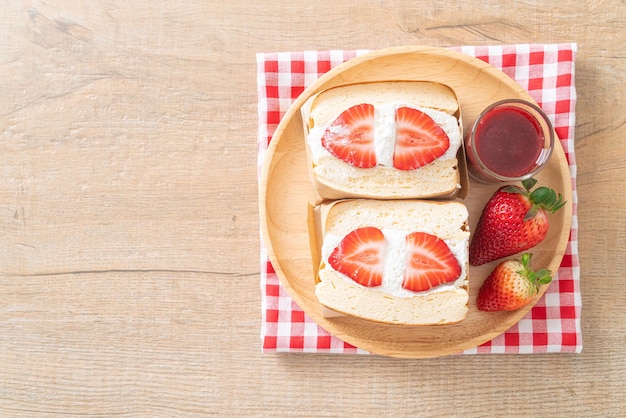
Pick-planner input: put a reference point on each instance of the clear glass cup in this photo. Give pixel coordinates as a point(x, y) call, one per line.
point(511, 140)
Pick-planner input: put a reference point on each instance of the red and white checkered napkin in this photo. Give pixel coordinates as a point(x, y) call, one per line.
point(547, 73)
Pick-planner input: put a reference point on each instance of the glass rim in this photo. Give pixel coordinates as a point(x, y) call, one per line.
point(539, 115)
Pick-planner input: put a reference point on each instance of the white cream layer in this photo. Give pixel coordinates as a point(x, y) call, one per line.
point(385, 133)
point(395, 262)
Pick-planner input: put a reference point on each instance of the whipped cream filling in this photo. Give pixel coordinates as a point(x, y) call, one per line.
point(394, 261)
point(385, 133)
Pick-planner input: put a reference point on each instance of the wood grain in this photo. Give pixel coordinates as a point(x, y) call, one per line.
point(129, 224)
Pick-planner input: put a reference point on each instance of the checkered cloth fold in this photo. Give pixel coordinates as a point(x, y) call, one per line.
point(546, 71)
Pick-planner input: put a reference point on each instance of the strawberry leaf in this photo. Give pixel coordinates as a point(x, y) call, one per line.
point(551, 200)
point(544, 276)
point(529, 183)
point(542, 195)
point(546, 198)
point(558, 204)
point(526, 259)
point(513, 189)
point(532, 212)
point(545, 280)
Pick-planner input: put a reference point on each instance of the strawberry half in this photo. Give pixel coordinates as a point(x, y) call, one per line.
point(419, 140)
point(359, 256)
point(350, 137)
point(429, 262)
point(513, 220)
point(511, 286)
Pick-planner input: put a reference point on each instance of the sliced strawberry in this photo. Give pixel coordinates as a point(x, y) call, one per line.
point(359, 256)
point(429, 262)
point(419, 140)
point(350, 137)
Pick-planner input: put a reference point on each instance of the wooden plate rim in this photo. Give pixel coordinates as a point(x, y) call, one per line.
point(333, 78)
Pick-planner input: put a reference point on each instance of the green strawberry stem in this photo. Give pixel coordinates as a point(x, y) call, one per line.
point(540, 198)
point(543, 276)
point(529, 183)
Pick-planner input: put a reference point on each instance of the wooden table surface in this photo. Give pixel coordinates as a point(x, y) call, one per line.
point(129, 250)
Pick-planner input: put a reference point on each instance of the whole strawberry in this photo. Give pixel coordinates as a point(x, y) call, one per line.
point(513, 220)
point(511, 286)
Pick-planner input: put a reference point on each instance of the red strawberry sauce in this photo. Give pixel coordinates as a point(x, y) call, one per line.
point(509, 141)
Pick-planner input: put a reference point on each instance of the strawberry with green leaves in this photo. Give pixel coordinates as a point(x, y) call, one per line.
point(511, 286)
point(513, 220)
